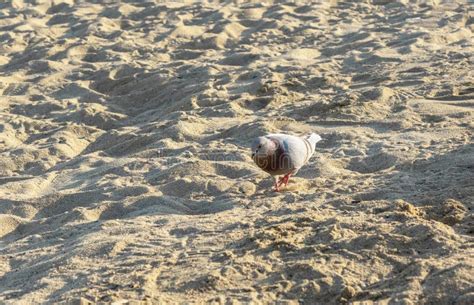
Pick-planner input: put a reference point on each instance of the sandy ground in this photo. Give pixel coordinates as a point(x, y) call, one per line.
point(125, 170)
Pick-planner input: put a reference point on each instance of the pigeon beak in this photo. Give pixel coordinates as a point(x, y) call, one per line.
point(253, 155)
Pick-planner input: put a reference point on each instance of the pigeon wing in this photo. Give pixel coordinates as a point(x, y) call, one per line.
point(297, 150)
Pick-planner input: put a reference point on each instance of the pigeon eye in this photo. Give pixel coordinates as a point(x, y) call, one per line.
point(259, 146)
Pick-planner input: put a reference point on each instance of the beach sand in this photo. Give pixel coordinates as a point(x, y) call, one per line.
point(125, 169)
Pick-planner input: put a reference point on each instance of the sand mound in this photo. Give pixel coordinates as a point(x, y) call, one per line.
point(8, 224)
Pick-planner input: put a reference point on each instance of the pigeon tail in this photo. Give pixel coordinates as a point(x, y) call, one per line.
point(313, 139)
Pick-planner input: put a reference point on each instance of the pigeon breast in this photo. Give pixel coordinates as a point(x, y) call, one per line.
point(277, 164)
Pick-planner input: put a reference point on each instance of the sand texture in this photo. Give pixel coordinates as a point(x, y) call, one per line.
point(125, 168)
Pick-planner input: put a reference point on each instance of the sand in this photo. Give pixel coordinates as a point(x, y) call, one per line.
point(125, 170)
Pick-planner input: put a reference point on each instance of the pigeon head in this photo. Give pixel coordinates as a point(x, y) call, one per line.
point(263, 147)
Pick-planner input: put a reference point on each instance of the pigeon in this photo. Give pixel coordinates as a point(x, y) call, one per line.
point(281, 154)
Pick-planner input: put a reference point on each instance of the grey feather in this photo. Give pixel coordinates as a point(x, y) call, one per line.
point(289, 154)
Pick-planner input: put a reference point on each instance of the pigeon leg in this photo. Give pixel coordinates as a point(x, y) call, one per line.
point(277, 185)
point(279, 182)
point(282, 180)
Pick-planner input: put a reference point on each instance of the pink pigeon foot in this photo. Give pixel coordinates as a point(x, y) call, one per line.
point(286, 178)
point(283, 180)
point(277, 186)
